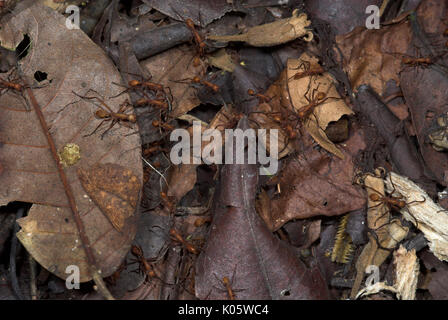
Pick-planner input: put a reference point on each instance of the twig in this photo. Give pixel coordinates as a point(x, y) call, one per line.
point(12, 258)
point(95, 270)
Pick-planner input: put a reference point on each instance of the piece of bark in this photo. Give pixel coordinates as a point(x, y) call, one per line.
point(407, 270)
point(425, 214)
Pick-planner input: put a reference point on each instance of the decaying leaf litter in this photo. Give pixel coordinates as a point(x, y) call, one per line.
point(85, 149)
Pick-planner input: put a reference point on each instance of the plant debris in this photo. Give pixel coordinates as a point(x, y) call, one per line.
point(233, 150)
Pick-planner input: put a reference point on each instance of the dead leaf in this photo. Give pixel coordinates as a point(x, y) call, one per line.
point(241, 248)
point(222, 60)
point(280, 106)
point(201, 12)
point(314, 184)
point(72, 62)
point(182, 180)
point(366, 54)
point(173, 65)
point(328, 111)
point(350, 13)
point(114, 190)
point(437, 286)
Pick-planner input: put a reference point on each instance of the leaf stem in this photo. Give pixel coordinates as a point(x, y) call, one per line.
point(95, 270)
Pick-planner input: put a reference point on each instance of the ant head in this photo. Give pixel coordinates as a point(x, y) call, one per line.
point(132, 118)
point(134, 83)
point(320, 95)
point(137, 251)
point(406, 60)
point(277, 118)
point(374, 197)
point(251, 92)
point(189, 23)
point(156, 123)
point(196, 79)
point(196, 61)
point(173, 232)
point(100, 113)
point(401, 204)
point(202, 45)
point(226, 280)
point(446, 33)
point(215, 88)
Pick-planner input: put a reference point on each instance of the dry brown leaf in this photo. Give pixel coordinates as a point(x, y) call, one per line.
point(182, 180)
point(274, 33)
point(173, 65)
point(329, 111)
point(113, 189)
point(366, 54)
point(183, 177)
point(72, 62)
point(312, 185)
point(280, 104)
point(222, 60)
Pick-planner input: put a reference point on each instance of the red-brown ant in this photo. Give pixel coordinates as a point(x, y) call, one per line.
point(144, 266)
point(11, 85)
point(212, 86)
point(152, 102)
point(141, 86)
point(227, 283)
point(308, 71)
point(197, 38)
point(178, 238)
point(107, 114)
point(315, 99)
point(261, 97)
point(201, 221)
point(162, 125)
point(198, 80)
point(390, 201)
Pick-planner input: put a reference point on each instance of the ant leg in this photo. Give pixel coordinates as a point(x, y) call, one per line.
point(308, 99)
point(393, 185)
point(285, 144)
point(305, 64)
point(114, 121)
point(94, 98)
point(417, 201)
point(122, 92)
point(413, 217)
point(87, 135)
point(372, 232)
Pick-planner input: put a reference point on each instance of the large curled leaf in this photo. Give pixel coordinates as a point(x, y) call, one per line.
point(313, 184)
point(241, 248)
point(72, 62)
